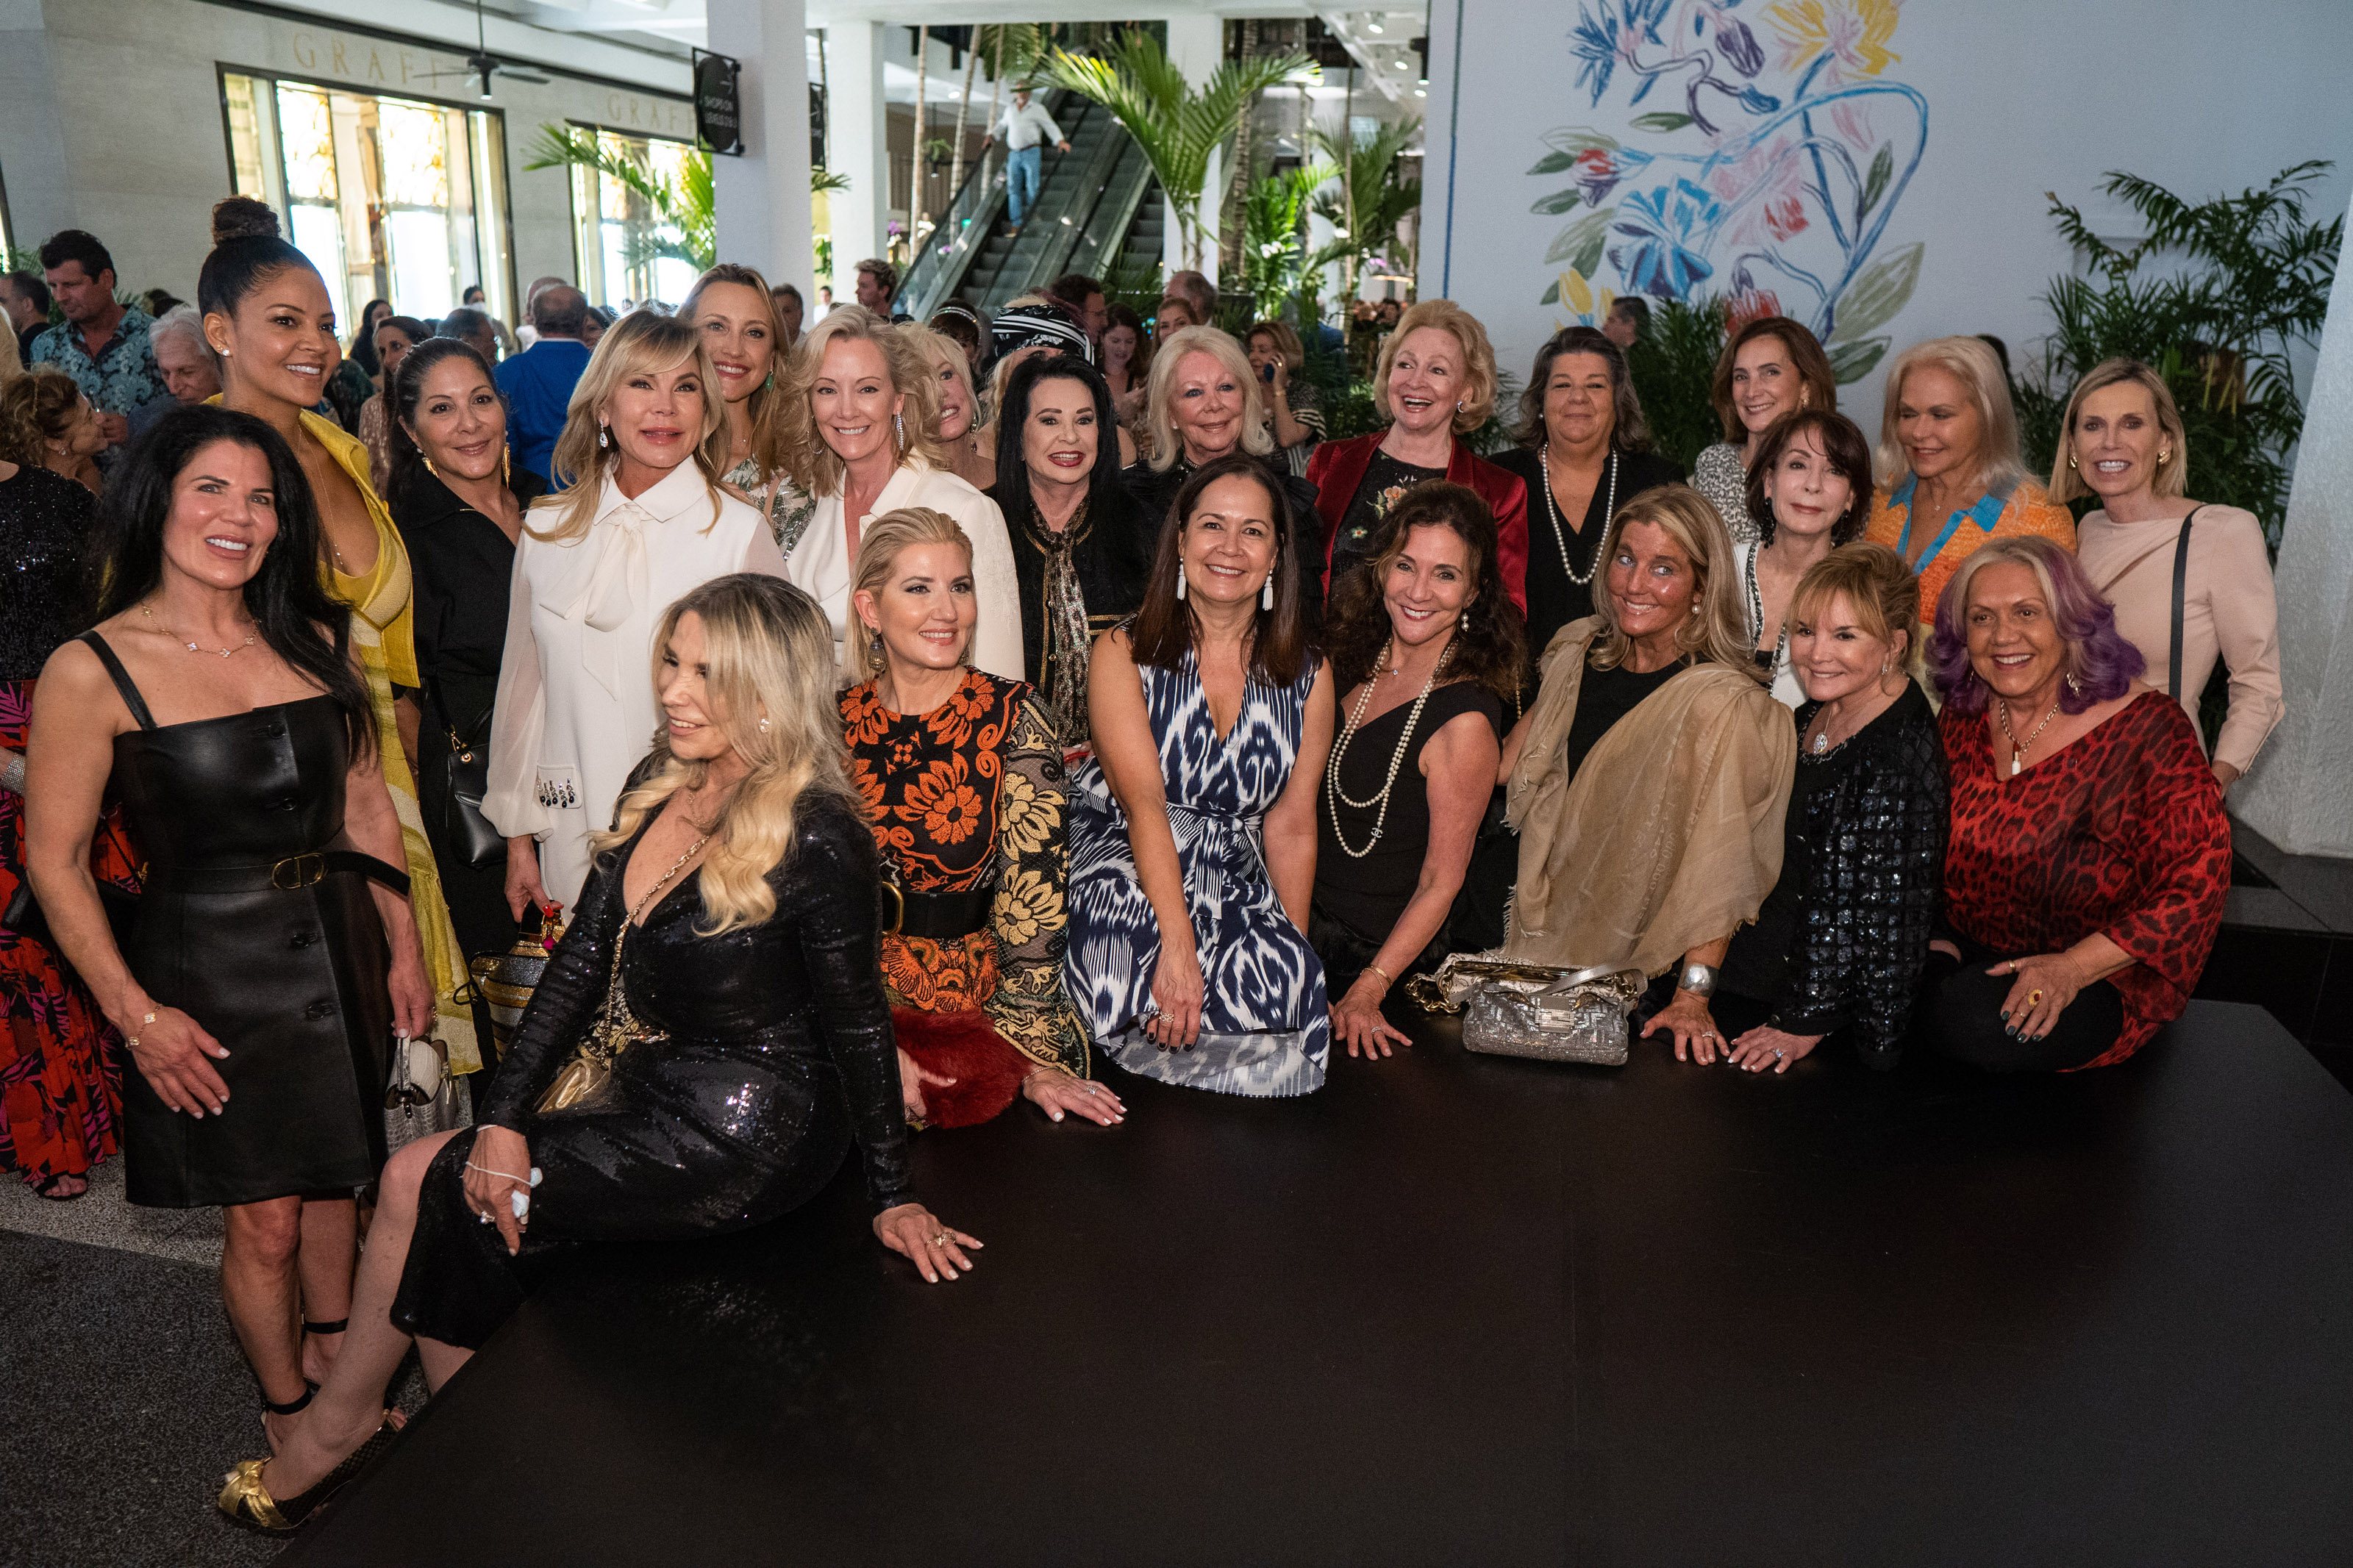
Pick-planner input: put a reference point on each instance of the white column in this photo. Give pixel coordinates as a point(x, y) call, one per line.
point(1197, 46)
point(2299, 794)
point(857, 146)
point(762, 199)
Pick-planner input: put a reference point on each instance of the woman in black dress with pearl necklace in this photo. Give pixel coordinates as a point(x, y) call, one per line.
point(1425, 644)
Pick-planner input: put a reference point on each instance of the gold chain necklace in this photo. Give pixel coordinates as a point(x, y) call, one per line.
point(2018, 747)
point(191, 646)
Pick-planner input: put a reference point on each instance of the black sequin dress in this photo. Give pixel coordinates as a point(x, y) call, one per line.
point(1843, 939)
point(778, 1053)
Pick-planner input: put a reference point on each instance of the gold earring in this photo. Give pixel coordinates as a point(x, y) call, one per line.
point(2071, 459)
point(428, 464)
point(2165, 457)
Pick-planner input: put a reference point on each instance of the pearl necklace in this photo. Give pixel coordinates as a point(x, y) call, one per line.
point(1334, 796)
point(1552, 511)
point(193, 647)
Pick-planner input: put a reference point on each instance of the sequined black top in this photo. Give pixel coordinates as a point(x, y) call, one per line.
point(1842, 938)
point(771, 1029)
point(45, 527)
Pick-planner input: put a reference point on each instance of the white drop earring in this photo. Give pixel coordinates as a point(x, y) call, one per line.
point(604, 438)
point(1180, 579)
point(1266, 593)
point(764, 724)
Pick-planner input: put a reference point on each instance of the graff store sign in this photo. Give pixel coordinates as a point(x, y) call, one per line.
point(377, 62)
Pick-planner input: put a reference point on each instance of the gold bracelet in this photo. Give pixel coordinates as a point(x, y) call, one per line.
point(1386, 978)
point(133, 1041)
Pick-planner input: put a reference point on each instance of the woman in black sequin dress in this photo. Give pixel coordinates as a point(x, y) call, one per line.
point(1841, 941)
point(748, 983)
point(60, 1094)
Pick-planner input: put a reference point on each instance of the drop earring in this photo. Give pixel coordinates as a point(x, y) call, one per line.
point(428, 464)
point(2075, 685)
point(764, 723)
point(604, 438)
point(898, 425)
point(1180, 579)
point(1266, 593)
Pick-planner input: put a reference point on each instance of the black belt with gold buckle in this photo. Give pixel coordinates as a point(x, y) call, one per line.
point(289, 874)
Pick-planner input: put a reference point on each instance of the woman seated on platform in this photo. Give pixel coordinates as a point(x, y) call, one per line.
point(709, 1036)
point(1840, 943)
point(962, 777)
point(275, 952)
point(1649, 781)
point(1193, 829)
point(1426, 644)
point(2122, 440)
point(1808, 492)
point(1948, 454)
point(1435, 383)
point(646, 519)
point(1771, 367)
point(861, 425)
point(1081, 550)
point(2088, 854)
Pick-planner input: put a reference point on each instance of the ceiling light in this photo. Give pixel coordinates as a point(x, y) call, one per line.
point(1421, 93)
point(1372, 27)
point(1399, 64)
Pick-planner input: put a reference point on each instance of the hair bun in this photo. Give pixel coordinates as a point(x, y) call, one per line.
point(242, 217)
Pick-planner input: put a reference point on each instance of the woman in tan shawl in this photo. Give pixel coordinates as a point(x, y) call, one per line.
point(1649, 781)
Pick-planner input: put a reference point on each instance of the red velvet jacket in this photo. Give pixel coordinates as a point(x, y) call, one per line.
point(1337, 468)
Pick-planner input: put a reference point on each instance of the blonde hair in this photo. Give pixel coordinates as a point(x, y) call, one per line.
point(1479, 382)
point(770, 652)
point(1971, 361)
point(1719, 633)
point(1161, 438)
point(641, 342)
point(811, 463)
point(2172, 477)
point(767, 451)
point(1874, 580)
point(879, 545)
point(944, 354)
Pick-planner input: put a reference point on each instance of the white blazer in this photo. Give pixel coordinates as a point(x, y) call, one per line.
point(576, 708)
point(821, 566)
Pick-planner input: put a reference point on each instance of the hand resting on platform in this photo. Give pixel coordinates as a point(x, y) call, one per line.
point(911, 1231)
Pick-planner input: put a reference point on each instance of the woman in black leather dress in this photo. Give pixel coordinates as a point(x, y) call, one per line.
point(274, 953)
point(748, 981)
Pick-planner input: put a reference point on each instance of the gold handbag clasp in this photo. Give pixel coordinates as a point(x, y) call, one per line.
point(298, 871)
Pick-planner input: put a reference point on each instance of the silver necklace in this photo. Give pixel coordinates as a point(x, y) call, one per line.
point(1378, 804)
point(1552, 511)
point(193, 647)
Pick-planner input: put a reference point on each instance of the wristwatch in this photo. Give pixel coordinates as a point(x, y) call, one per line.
point(1699, 979)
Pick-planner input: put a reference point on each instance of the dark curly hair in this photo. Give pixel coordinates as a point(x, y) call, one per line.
point(1488, 642)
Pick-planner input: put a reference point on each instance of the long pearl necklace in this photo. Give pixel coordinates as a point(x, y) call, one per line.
point(1552, 511)
point(1378, 804)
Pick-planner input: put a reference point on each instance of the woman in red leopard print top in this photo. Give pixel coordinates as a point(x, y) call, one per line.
point(2088, 854)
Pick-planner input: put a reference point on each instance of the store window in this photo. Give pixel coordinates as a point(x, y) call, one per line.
point(393, 198)
point(625, 248)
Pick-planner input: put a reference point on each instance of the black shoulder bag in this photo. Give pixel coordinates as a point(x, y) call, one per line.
point(465, 780)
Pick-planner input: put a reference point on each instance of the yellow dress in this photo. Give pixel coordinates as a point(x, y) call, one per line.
point(383, 632)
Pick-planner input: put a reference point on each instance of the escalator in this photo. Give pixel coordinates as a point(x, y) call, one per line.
point(1098, 207)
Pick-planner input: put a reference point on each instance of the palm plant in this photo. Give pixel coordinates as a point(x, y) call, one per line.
point(1672, 365)
point(1272, 265)
point(1178, 128)
point(683, 205)
point(2213, 297)
point(1371, 197)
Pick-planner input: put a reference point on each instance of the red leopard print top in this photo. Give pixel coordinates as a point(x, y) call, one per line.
point(2121, 831)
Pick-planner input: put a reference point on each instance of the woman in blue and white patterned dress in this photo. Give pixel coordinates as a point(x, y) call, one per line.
point(1192, 831)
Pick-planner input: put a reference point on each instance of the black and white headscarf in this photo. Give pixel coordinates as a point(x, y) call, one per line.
point(1025, 326)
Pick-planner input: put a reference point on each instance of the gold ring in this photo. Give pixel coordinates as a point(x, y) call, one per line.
point(941, 1239)
point(2034, 997)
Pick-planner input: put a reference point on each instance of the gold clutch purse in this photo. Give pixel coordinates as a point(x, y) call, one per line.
point(587, 1081)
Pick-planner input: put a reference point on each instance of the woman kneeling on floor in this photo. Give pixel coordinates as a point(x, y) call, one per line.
point(709, 1038)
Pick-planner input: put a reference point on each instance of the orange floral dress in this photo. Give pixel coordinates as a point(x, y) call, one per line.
point(964, 798)
point(2025, 507)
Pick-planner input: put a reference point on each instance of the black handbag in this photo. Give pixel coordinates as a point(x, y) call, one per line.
point(465, 781)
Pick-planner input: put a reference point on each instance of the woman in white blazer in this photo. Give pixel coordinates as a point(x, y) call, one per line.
point(644, 521)
point(860, 420)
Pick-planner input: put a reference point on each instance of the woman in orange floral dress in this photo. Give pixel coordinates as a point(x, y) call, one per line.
point(962, 776)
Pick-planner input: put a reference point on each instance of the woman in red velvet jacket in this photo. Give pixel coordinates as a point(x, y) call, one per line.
point(1436, 382)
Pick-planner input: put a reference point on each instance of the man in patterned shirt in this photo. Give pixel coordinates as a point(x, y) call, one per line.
point(102, 345)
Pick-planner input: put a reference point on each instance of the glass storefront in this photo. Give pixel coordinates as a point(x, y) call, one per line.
point(393, 198)
point(617, 232)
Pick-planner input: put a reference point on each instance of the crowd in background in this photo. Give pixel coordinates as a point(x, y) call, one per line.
point(1025, 691)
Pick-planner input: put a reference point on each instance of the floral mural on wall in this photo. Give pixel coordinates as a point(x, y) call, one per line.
point(1773, 154)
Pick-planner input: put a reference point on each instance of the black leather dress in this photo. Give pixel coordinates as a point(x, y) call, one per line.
point(258, 923)
point(778, 1052)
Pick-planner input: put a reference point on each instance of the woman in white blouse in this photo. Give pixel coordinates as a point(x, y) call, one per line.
point(861, 421)
point(1809, 492)
point(644, 521)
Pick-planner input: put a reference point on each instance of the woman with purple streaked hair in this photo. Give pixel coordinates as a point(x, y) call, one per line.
point(2088, 854)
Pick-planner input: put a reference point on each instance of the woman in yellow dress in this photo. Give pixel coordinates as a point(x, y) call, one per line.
point(268, 314)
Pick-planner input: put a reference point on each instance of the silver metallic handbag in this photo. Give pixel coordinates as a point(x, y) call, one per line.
point(1538, 1011)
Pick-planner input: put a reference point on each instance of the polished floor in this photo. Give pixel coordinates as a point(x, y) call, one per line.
point(1462, 1310)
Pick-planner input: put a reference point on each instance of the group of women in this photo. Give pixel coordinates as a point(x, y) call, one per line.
point(876, 800)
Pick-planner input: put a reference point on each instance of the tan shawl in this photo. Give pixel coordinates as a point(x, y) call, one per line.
point(1669, 838)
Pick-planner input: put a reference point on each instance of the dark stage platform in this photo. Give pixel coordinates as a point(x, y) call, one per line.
point(1462, 1310)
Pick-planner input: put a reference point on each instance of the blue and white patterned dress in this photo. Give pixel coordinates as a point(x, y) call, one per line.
point(1265, 1025)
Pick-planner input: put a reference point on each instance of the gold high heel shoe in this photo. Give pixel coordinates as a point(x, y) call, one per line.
point(247, 1500)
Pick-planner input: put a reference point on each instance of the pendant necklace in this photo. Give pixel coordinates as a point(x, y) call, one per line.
point(1335, 798)
point(2018, 747)
point(193, 647)
point(1552, 511)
